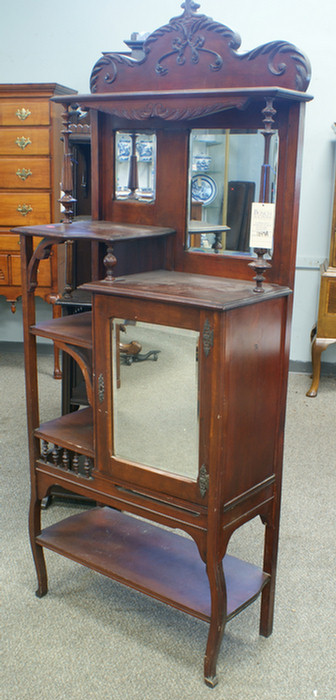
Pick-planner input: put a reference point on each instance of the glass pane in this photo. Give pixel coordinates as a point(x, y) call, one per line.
point(224, 179)
point(155, 396)
point(135, 166)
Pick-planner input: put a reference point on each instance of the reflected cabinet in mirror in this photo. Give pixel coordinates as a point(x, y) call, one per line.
point(155, 369)
point(227, 172)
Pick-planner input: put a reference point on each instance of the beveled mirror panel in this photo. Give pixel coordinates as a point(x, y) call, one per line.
point(135, 165)
point(155, 396)
point(225, 177)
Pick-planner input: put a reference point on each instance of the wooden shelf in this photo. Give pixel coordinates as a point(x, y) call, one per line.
point(73, 330)
point(73, 431)
point(154, 561)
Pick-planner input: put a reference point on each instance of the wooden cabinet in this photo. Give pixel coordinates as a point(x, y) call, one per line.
point(189, 435)
point(30, 174)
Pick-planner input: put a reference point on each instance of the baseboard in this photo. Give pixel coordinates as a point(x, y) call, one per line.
point(327, 368)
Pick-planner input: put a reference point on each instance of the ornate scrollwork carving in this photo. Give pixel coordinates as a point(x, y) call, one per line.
point(203, 480)
point(188, 26)
point(109, 62)
point(278, 50)
point(157, 109)
point(190, 37)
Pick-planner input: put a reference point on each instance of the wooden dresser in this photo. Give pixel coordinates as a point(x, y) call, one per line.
point(30, 172)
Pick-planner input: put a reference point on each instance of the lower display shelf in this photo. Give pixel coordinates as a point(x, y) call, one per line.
point(158, 562)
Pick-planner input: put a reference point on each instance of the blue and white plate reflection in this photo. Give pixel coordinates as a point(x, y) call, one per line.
point(203, 189)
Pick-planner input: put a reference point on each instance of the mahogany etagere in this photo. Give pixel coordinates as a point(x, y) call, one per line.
point(187, 79)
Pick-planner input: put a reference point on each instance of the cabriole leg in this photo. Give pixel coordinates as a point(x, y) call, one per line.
point(217, 622)
point(37, 550)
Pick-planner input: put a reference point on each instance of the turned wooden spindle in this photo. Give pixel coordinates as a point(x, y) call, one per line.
point(67, 200)
point(87, 467)
point(55, 455)
point(44, 450)
point(65, 459)
point(259, 265)
point(75, 463)
point(133, 180)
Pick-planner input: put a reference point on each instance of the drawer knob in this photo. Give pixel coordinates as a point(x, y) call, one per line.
point(22, 141)
point(23, 174)
point(23, 113)
point(24, 209)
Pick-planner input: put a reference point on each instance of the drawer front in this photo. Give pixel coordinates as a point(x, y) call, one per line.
point(4, 278)
point(24, 110)
point(22, 141)
point(24, 173)
point(24, 209)
point(43, 273)
point(9, 242)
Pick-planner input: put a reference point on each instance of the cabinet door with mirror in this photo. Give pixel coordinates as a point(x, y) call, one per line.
point(150, 404)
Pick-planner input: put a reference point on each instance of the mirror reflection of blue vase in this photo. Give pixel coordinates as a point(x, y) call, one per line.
point(124, 148)
point(145, 151)
point(202, 162)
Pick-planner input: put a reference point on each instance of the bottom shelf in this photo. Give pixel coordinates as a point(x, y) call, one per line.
point(157, 562)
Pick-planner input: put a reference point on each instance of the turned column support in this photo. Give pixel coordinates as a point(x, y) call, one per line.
point(67, 200)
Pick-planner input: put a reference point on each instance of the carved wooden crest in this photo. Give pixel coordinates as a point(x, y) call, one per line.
point(194, 51)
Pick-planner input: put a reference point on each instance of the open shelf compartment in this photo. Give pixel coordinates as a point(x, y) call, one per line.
point(75, 329)
point(152, 560)
point(74, 431)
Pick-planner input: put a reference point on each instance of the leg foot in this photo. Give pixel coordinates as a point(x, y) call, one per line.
point(211, 682)
point(318, 345)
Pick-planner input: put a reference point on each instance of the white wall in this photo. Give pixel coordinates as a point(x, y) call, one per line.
point(50, 42)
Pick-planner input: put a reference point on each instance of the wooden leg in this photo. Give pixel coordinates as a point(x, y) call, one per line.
point(318, 345)
point(269, 567)
point(217, 622)
point(34, 530)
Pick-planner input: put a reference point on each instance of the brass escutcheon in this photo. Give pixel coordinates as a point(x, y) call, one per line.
point(23, 174)
point(22, 141)
point(22, 113)
point(24, 209)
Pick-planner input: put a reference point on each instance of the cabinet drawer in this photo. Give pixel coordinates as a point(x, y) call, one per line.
point(15, 141)
point(24, 209)
point(24, 111)
point(4, 269)
point(43, 274)
point(24, 173)
point(9, 241)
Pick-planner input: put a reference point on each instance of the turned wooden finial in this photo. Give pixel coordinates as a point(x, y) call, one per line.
point(109, 262)
point(67, 200)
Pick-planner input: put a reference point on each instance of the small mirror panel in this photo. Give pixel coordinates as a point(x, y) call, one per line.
point(135, 166)
point(224, 179)
point(152, 366)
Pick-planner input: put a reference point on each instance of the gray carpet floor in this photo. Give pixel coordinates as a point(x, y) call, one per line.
point(92, 638)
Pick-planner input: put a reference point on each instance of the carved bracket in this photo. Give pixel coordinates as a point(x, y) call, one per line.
point(42, 252)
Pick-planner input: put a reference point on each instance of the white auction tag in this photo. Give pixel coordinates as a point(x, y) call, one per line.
point(262, 225)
